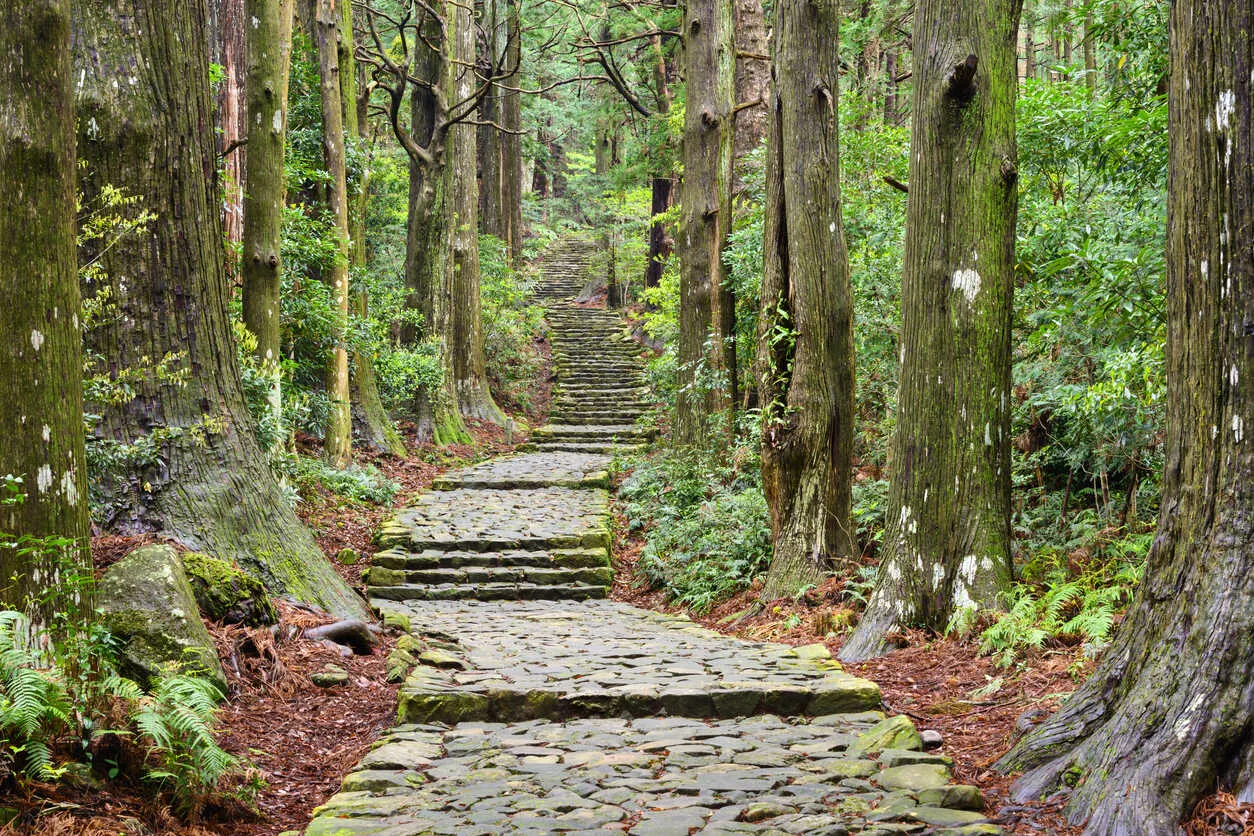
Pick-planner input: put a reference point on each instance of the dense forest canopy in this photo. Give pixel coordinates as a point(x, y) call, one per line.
point(943, 309)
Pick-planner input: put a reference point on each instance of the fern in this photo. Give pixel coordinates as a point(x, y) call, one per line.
point(175, 722)
point(34, 706)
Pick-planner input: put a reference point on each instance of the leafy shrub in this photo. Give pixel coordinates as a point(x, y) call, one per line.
point(705, 520)
point(510, 322)
point(360, 484)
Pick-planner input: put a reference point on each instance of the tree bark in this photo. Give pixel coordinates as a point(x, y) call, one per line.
point(1090, 54)
point(511, 139)
point(209, 486)
point(228, 35)
point(469, 368)
point(709, 60)
point(947, 542)
point(753, 81)
point(428, 272)
point(41, 366)
point(1167, 716)
point(337, 442)
point(369, 417)
point(660, 241)
point(266, 101)
point(805, 327)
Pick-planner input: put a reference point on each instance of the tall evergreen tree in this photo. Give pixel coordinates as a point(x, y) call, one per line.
point(207, 484)
point(1167, 716)
point(805, 326)
point(705, 196)
point(268, 41)
point(947, 543)
point(338, 438)
point(41, 368)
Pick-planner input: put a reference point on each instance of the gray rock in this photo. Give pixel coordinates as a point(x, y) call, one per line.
point(330, 676)
point(148, 604)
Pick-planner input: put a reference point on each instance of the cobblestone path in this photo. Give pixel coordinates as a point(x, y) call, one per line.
point(530, 707)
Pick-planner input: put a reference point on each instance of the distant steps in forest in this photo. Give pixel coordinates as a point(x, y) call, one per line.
point(534, 525)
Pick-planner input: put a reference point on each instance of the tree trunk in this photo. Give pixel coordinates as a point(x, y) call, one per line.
point(491, 209)
point(469, 372)
point(207, 486)
point(428, 274)
point(41, 370)
point(338, 439)
point(947, 543)
point(890, 87)
point(511, 139)
point(753, 81)
point(1090, 54)
point(369, 418)
point(709, 59)
point(805, 327)
point(1029, 41)
point(1166, 717)
point(228, 34)
point(266, 95)
point(660, 241)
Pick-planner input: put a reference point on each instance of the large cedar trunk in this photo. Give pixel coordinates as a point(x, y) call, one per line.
point(209, 486)
point(947, 543)
point(1169, 713)
point(266, 94)
point(469, 373)
point(805, 327)
point(338, 440)
point(41, 370)
point(709, 60)
point(491, 209)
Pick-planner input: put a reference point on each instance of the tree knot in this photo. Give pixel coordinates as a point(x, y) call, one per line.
point(960, 87)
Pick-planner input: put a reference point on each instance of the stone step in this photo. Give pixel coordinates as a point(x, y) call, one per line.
point(567, 430)
point(587, 447)
point(378, 576)
point(489, 592)
point(397, 558)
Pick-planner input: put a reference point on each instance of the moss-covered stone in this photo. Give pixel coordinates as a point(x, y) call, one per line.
point(148, 604)
point(894, 733)
point(226, 594)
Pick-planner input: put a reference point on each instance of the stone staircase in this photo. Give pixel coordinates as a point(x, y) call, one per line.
point(599, 393)
point(535, 525)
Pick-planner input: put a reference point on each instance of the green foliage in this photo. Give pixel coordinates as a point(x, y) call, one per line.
point(705, 521)
point(175, 724)
point(510, 324)
point(359, 484)
point(34, 704)
point(61, 698)
point(1064, 606)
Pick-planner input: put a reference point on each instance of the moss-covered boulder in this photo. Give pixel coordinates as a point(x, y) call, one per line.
point(227, 595)
point(148, 604)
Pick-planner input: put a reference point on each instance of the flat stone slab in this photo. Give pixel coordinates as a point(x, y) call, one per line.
point(650, 777)
point(562, 659)
point(493, 520)
point(532, 470)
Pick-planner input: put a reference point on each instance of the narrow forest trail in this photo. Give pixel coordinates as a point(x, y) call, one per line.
point(534, 707)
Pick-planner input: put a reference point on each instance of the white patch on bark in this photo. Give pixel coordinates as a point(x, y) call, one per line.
point(36, 339)
point(987, 564)
point(1214, 432)
point(256, 22)
point(968, 281)
point(988, 438)
point(47, 433)
point(43, 478)
point(1238, 428)
point(938, 575)
point(1224, 108)
point(1233, 375)
point(832, 228)
point(69, 487)
point(278, 121)
point(1185, 720)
